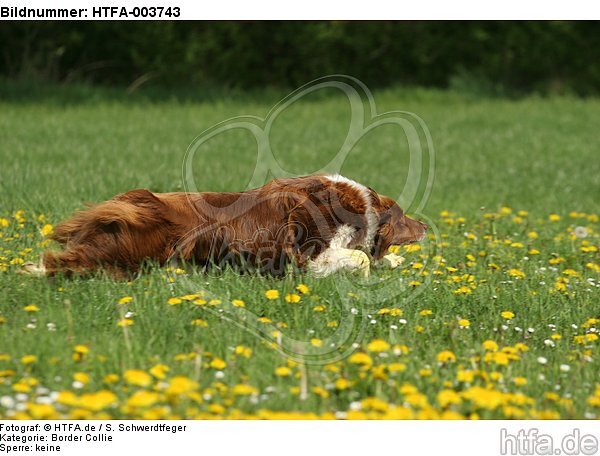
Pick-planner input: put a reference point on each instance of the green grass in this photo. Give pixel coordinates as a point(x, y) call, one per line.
point(62, 147)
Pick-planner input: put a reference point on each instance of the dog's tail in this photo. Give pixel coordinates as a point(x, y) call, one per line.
point(131, 210)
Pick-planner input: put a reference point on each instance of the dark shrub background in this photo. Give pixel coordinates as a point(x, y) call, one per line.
point(495, 57)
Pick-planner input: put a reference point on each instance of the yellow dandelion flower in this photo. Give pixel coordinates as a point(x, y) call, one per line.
point(396, 367)
point(520, 346)
point(159, 371)
point(137, 377)
point(490, 345)
point(463, 290)
point(394, 312)
point(180, 385)
point(590, 322)
point(519, 381)
point(29, 359)
point(110, 378)
point(499, 358)
point(21, 387)
point(554, 217)
point(272, 294)
point(82, 349)
point(342, 384)
point(517, 273)
point(464, 323)
point(302, 288)
point(446, 356)
point(238, 303)
point(321, 392)
point(448, 397)
point(46, 230)
point(283, 371)
point(556, 260)
point(82, 377)
point(174, 301)
point(98, 400)
point(378, 345)
point(465, 376)
point(484, 398)
point(79, 352)
point(243, 390)
point(125, 322)
point(42, 411)
point(31, 308)
point(190, 297)
point(507, 315)
point(425, 372)
point(316, 342)
point(292, 298)
point(218, 363)
point(142, 399)
point(241, 350)
point(395, 249)
point(361, 359)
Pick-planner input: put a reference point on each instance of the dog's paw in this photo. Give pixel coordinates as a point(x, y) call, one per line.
point(32, 269)
point(393, 260)
point(358, 260)
point(332, 260)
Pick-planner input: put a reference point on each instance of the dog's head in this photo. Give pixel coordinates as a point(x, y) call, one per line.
point(395, 228)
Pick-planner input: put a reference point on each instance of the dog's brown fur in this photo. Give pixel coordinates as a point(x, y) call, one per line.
point(285, 220)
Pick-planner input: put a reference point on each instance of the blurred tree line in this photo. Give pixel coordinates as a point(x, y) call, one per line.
point(488, 56)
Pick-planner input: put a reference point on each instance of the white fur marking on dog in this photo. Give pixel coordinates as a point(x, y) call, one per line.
point(370, 214)
point(342, 237)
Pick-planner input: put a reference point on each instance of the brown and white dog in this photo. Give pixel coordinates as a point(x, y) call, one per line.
point(322, 223)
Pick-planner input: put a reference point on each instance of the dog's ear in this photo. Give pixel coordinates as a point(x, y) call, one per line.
point(384, 217)
point(386, 208)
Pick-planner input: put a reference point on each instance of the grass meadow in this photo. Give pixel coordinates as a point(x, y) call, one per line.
point(494, 316)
